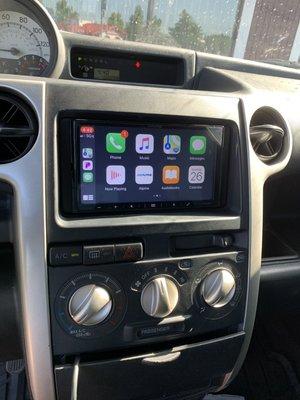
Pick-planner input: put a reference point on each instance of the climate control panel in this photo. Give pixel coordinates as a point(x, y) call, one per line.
point(120, 305)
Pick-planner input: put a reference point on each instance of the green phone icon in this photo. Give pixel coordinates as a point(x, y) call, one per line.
point(115, 143)
point(198, 145)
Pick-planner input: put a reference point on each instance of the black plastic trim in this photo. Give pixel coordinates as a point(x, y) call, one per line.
point(280, 270)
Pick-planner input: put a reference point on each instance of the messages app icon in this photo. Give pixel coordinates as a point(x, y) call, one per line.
point(115, 143)
point(198, 145)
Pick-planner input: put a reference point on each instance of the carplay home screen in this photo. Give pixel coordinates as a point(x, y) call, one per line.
point(141, 164)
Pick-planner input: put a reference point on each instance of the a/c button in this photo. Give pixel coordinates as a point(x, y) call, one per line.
point(65, 255)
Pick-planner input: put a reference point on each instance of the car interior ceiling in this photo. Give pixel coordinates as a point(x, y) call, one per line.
point(149, 201)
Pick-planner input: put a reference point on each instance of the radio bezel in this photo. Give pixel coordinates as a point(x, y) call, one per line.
point(68, 163)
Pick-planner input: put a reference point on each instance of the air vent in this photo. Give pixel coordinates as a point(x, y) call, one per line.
point(18, 128)
point(267, 134)
point(267, 141)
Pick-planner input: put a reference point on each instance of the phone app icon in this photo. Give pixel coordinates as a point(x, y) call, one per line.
point(87, 152)
point(115, 143)
point(171, 174)
point(87, 165)
point(144, 174)
point(198, 145)
point(196, 174)
point(115, 175)
point(144, 144)
point(88, 177)
point(172, 144)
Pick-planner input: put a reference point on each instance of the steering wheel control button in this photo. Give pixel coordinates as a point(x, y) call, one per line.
point(93, 255)
point(65, 255)
point(129, 252)
point(159, 297)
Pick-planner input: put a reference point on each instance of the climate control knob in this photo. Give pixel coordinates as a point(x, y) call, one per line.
point(218, 288)
point(90, 305)
point(159, 297)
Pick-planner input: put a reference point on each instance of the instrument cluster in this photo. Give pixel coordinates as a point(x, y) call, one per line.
point(29, 39)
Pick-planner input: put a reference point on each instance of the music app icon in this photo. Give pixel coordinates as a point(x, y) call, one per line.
point(144, 144)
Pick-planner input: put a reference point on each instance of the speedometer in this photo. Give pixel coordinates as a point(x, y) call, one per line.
point(30, 42)
point(24, 45)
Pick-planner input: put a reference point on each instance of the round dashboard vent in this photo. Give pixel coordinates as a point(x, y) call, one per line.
point(18, 128)
point(267, 134)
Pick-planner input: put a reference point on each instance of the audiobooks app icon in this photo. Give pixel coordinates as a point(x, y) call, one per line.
point(115, 175)
point(171, 175)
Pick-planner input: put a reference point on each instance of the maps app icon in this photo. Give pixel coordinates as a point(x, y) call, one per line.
point(172, 144)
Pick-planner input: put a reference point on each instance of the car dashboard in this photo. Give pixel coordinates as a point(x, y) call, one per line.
point(146, 194)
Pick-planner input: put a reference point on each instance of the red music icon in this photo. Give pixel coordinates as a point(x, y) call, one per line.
point(144, 144)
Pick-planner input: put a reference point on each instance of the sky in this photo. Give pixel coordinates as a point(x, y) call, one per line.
point(214, 16)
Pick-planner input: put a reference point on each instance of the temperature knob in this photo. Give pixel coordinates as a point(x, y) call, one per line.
point(218, 288)
point(159, 297)
point(90, 305)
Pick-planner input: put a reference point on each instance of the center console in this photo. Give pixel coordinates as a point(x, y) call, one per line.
point(169, 266)
point(139, 244)
point(117, 293)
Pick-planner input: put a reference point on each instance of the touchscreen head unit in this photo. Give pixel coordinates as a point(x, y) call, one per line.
point(134, 167)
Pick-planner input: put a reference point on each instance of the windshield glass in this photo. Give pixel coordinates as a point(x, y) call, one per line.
point(261, 30)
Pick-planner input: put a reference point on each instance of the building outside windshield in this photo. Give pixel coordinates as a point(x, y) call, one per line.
point(260, 30)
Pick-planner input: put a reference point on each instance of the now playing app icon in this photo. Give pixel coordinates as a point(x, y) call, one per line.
point(115, 175)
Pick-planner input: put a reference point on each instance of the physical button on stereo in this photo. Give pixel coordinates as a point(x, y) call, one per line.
point(65, 255)
point(218, 288)
point(90, 305)
point(98, 254)
point(128, 252)
point(159, 297)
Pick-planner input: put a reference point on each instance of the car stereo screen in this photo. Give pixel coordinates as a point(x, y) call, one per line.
point(146, 167)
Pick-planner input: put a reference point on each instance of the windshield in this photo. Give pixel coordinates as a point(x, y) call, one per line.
point(261, 30)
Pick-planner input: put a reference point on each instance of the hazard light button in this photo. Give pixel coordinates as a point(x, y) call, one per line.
point(129, 252)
